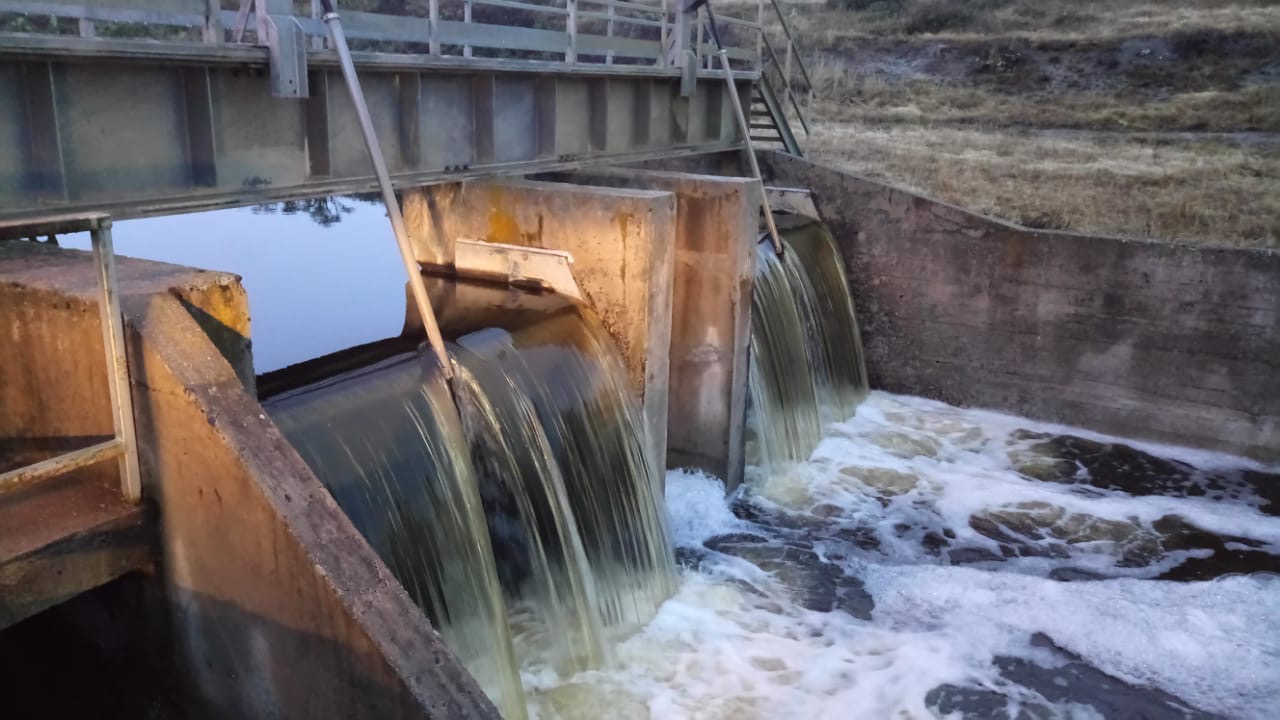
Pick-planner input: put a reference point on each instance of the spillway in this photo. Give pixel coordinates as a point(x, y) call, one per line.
point(807, 367)
point(387, 443)
point(530, 508)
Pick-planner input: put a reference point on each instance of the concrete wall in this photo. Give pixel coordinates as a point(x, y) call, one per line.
point(277, 607)
point(1142, 339)
point(621, 242)
point(717, 220)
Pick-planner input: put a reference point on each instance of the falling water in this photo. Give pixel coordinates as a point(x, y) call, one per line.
point(806, 357)
point(387, 443)
point(525, 519)
point(576, 386)
point(835, 350)
point(542, 564)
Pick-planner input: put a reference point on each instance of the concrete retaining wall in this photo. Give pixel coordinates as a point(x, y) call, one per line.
point(276, 606)
point(1142, 339)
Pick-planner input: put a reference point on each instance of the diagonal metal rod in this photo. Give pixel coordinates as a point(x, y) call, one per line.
point(774, 237)
point(416, 284)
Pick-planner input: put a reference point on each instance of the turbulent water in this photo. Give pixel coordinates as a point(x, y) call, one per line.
point(929, 561)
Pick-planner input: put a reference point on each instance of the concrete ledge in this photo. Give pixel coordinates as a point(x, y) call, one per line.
point(276, 606)
point(622, 247)
point(717, 220)
point(64, 537)
point(1143, 339)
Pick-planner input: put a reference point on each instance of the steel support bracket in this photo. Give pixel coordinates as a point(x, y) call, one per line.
point(689, 74)
point(287, 48)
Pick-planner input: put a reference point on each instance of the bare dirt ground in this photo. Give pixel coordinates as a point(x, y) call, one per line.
point(1155, 119)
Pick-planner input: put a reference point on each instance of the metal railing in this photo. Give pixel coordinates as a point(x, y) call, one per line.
point(576, 32)
point(123, 445)
point(786, 73)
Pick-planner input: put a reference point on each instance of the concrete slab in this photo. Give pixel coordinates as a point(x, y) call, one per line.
point(63, 537)
point(716, 229)
point(621, 241)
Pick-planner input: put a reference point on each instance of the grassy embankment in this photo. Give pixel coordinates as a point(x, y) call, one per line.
point(1140, 119)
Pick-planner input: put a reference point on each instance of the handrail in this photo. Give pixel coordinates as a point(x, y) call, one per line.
point(785, 68)
point(123, 446)
point(786, 86)
point(786, 29)
point(586, 34)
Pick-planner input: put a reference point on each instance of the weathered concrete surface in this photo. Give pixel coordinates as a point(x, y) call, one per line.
point(711, 313)
point(1141, 339)
point(621, 242)
point(277, 607)
point(65, 537)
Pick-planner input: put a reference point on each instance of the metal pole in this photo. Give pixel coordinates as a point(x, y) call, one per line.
point(212, 31)
point(732, 88)
point(571, 26)
point(433, 18)
point(760, 36)
point(414, 272)
point(608, 58)
point(751, 151)
point(117, 361)
point(664, 57)
point(466, 18)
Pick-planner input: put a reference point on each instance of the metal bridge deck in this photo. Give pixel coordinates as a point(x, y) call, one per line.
point(240, 108)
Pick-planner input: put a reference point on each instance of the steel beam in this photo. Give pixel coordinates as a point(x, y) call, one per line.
point(130, 137)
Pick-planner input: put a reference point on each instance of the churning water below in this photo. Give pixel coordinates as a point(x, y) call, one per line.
point(929, 561)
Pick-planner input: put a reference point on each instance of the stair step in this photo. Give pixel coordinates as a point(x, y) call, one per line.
point(65, 536)
point(763, 126)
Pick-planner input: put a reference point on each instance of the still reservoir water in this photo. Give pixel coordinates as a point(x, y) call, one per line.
point(312, 290)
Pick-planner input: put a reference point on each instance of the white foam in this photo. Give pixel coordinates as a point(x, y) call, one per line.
point(1214, 644)
point(733, 644)
point(696, 508)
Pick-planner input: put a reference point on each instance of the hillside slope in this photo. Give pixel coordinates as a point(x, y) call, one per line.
point(1142, 119)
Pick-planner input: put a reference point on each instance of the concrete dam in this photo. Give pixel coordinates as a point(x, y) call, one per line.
point(508, 359)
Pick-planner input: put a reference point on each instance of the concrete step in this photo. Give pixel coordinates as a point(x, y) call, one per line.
point(64, 536)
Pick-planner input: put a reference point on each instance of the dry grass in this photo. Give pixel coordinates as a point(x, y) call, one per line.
point(826, 23)
point(1155, 119)
point(847, 97)
point(1182, 188)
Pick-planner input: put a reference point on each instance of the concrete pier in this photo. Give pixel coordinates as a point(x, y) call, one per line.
point(275, 605)
point(622, 244)
point(716, 227)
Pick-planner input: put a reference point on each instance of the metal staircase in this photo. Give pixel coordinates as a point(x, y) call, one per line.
point(784, 81)
point(769, 121)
